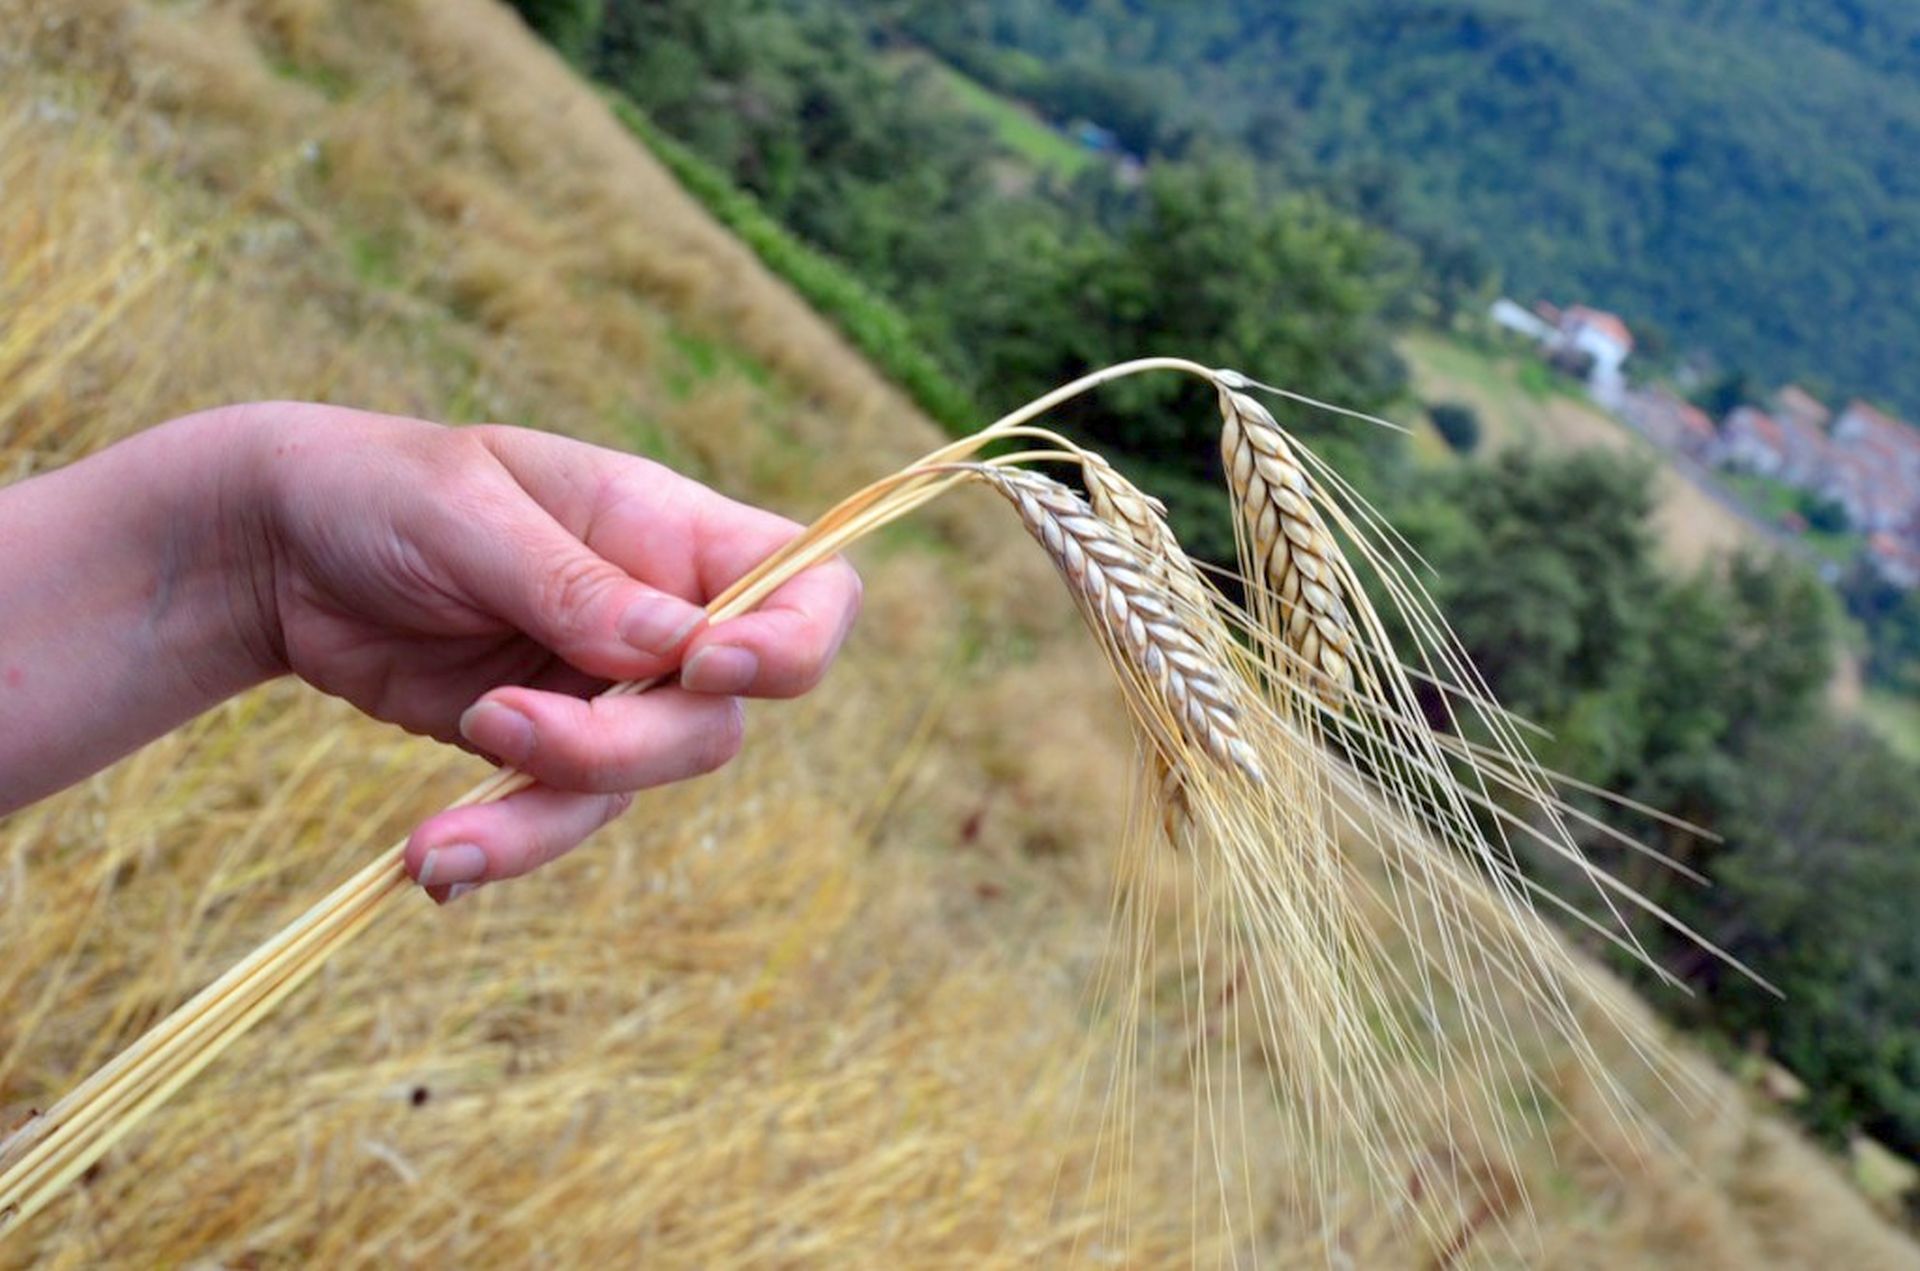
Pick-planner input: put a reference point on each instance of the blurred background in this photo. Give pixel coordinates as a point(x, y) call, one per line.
point(1636, 277)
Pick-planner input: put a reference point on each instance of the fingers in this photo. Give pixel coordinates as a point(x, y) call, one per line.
point(783, 648)
point(588, 757)
point(678, 535)
point(605, 745)
point(665, 529)
point(578, 603)
point(461, 848)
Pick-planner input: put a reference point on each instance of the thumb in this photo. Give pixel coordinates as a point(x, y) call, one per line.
point(531, 572)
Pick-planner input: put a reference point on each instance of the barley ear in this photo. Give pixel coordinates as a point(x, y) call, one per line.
point(1181, 681)
point(1142, 519)
point(1290, 546)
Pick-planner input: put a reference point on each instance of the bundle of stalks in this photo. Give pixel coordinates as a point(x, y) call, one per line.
point(1267, 734)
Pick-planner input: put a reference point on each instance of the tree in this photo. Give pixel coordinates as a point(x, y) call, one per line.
point(1205, 265)
point(1458, 425)
point(569, 25)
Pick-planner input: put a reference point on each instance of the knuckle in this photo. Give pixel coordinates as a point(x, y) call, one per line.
point(570, 593)
point(594, 770)
point(463, 452)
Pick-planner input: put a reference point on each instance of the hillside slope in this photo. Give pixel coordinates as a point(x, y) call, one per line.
point(1694, 527)
point(828, 1008)
point(1739, 173)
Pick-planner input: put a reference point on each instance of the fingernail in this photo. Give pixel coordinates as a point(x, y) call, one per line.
point(499, 730)
point(458, 890)
point(659, 624)
point(454, 863)
point(720, 668)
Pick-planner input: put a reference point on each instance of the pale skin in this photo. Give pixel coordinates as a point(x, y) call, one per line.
point(476, 585)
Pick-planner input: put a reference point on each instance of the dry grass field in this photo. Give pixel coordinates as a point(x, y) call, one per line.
point(830, 1007)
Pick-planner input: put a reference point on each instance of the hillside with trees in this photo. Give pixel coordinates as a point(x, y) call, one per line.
point(1014, 285)
point(1739, 174)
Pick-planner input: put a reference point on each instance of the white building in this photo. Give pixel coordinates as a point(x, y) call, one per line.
point(1589, 343)
point(1520, 320)
point(1754, 442)
point(1599, 337)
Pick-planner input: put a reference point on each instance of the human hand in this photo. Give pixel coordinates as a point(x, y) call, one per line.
point(479, 584)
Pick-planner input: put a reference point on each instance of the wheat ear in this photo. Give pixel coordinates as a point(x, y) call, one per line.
point(1288, 541)
point(1143, 519)
point(1137, 616)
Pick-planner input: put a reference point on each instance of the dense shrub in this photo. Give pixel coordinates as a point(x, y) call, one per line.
point(1458, 424)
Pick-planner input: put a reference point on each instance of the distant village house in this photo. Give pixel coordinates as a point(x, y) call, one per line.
point(1875, 472)
point(1806, 454)
point(1600, 338)
point(1880, 434)
point(1796, 405)
point(1673, 424)
point(1591, 344)
point(1517, 318)
point(1862, 461)
point(1752, 442)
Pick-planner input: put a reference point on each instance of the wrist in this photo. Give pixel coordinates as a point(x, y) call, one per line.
point(217, 560)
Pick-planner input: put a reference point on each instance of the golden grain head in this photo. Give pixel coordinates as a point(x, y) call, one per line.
point(1111, 579)
point(1287, 541)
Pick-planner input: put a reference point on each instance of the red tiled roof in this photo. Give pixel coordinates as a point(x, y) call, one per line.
point(1798, 405)
point(1854, 467)
point(1802, 435)
point(1600, 320)
point(1695, 420)
point(1872, 414)
point(1883, 426)
point(1760, 424)
point(1892, 548)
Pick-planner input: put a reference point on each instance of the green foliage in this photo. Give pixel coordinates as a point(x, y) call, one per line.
point(1204, 265)
point(1823, 515)
point(1547, 571)
point(568, 25)
point(823, 146)
point(1538, 380)
point(1547, 580)
point(1891, 616)
point(1739, 173)
point(1895, 719)
point(1458, 425)
point(1702, 697)
point(1720, 395)
point(1820, 892)
point(1014, 125)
